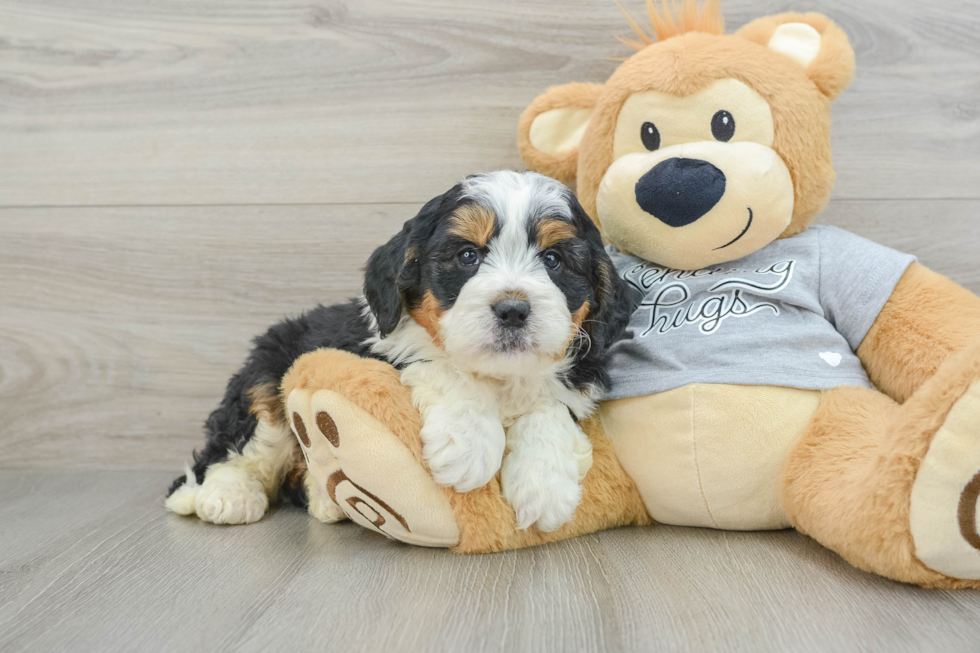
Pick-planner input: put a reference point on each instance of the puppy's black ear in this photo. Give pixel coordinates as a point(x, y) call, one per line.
point(607, 323)
point(383, 294)
point(613, 304)
point(394, 269)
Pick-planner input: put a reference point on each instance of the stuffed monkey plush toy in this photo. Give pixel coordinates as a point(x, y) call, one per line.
point(778, 375)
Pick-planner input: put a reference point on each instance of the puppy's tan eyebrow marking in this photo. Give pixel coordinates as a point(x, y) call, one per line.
point(551, 232)
point(474, 223)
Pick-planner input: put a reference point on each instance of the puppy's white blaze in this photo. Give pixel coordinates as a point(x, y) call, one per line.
point(509, 193)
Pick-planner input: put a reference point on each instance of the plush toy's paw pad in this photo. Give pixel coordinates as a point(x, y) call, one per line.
point(463, 446)
point(317, 433)
point(545, 495)
point(364, 470)
point(944, 511)
point(231, 500)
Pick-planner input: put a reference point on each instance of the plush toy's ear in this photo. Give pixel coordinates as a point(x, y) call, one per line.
point(552, 127)
point(381, 288)
point(812, 41)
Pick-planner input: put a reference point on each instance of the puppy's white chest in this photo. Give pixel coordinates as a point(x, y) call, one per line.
point(517, 399)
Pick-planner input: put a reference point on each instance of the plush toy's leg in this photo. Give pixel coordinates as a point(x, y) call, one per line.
point(360, 435)
point(355, 420)
point(893, 488)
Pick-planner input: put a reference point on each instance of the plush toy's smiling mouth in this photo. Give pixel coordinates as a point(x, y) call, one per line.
point(735, 240)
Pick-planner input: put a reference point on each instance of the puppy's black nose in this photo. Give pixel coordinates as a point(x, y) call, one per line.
point(679, 191)
point(512, 312)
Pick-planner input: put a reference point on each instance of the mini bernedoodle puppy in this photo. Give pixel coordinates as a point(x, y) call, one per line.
point(497, 302)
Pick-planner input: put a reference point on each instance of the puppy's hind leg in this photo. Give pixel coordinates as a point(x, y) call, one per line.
point(238, 490)
point(240, 481)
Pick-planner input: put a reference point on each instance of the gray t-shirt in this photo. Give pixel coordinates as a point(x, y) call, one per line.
point(791, 315)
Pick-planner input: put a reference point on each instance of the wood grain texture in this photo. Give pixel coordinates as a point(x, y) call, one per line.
point(120, 327)
point(91, 562)
point(270, 101)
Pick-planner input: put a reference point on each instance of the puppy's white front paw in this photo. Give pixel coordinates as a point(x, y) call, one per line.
point(227, 500)
point(542, 492)
point(463, 445)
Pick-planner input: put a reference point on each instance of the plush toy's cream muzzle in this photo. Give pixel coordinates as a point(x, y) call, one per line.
point(696, 204)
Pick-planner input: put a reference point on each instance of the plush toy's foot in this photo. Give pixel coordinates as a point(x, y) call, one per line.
point(359, 469)
point(893, 488)
point(360, 435)
point(944, 510)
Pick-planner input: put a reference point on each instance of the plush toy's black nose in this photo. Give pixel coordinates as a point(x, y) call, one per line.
point(679, 191)
point(512, 312)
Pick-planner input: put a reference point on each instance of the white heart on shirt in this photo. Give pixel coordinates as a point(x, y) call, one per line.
point(831, 358)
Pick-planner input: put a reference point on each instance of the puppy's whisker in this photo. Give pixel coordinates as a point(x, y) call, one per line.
point(580, 335)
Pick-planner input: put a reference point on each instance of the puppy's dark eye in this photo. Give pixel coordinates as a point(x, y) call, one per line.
point(468, 257)
point(650, 136)
point(723, 126)
point(551, 260)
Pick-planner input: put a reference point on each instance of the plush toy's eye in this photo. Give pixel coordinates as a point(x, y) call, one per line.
point(551, 260)
point(723, 126)
point(468, 257)
point(650, 136)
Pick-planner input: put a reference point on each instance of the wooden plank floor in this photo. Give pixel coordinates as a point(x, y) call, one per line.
point(102, 568)
point(174, 176)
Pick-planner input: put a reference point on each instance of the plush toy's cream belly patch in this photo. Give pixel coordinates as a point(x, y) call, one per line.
point(710, 455)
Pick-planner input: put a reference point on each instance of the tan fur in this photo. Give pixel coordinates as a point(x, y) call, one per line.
point(428, 314)
point(927, 318)
point(474, 223)
point(511, 294)
point(266, 403)
point(833, 68)
point(688, 62)
point(848, 481)
point(609, 499)
point(372, 385)
point(561, 166)
point(552, 232)
point(486, 522)
point(578, 317)
point(675, 18)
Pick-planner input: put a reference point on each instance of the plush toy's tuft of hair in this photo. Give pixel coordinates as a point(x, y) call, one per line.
point(675, 17)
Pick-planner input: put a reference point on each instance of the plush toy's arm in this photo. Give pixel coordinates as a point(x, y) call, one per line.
point(927, 318)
